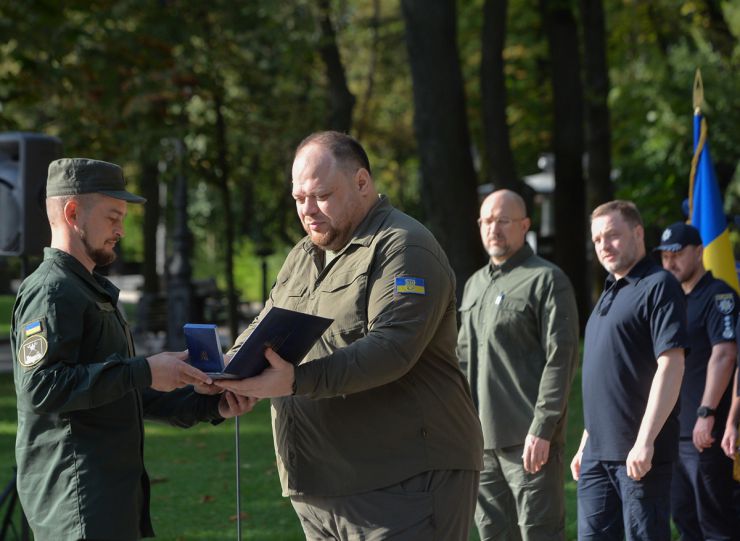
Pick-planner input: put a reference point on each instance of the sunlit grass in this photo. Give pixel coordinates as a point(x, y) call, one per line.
point(193, 475)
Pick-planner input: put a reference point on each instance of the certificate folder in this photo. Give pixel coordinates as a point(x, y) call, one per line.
point(291, 334)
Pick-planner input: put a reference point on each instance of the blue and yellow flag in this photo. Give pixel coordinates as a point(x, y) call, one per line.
point(706, 212)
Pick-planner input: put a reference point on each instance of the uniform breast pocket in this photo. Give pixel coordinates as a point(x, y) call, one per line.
point(104, 333)
point(510, 310)
point(289, 294)
point(468, 307)
point(342, 296)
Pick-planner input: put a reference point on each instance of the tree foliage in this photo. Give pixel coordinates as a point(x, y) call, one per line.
point(241, 83)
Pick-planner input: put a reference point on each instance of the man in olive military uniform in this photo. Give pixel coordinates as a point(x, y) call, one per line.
point(519, 341)
point(82, 392)
point(375, 431)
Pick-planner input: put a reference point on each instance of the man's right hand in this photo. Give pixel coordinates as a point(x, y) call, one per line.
point(170, 371)
point(575, 465)
point(729, 440)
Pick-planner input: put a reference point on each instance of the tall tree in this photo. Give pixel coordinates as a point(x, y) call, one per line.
point(596, 85)
point(448, 179)
point(341, 100)
point(567, 141)
point(499, 159)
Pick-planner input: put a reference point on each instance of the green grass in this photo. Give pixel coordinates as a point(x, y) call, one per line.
point(193, 470)
point(6, 312)
point(194, 490)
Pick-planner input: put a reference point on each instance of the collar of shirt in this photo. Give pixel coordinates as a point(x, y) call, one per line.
point(702, 284)
point(521, 255)
point(95, 280)
point(636, 273)
point(364, 233)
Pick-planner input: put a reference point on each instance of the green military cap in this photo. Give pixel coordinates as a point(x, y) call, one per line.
point(75, 176)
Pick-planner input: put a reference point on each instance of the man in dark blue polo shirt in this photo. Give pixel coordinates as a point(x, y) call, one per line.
point(701, 495)
point(633, 362)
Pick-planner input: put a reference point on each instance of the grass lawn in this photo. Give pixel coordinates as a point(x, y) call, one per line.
point(192, 471)
point(6, 309)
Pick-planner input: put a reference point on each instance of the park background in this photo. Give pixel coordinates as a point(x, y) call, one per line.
point(203, 103)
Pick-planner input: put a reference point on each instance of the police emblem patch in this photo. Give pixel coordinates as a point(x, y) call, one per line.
point(33, 350)
point(725, 303)
point(666, 235)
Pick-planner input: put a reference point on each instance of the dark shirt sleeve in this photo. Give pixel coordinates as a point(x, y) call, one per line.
point(400, 326)
point(181, 407)
point(721, 317)
point(667, 316)
point(62, 381)
point(463, 335)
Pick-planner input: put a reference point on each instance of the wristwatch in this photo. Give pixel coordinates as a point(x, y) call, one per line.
point(705, 411)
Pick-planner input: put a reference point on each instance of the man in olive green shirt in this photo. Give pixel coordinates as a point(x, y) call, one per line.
point(82, 392)
point(375, 431)
point(519, 341)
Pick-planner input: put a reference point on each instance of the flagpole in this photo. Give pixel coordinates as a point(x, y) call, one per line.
point(698, 99)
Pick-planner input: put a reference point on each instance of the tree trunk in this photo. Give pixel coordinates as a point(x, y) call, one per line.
point(341, 100)
point(448, 181)
point(222, 158)
point(363, 120)
point(150, 190)
point(598, 129)
point(499, 160)
point(570, 193)
point(596, 79)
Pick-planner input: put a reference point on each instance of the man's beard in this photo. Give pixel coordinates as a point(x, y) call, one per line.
point(333, 239)
point(99, 256)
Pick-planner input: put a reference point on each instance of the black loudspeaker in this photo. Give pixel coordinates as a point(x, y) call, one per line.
point(24, 164)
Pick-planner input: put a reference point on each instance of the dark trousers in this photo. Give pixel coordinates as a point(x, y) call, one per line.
point(611, 505)
point(431, 506)
point(701, 493)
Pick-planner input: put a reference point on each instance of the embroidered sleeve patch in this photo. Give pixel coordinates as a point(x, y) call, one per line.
point(33, 350)
point(725, 303)
point(32, 328)
point(410, 284)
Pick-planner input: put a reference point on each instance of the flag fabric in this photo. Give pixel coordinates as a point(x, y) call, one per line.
point(706, 211)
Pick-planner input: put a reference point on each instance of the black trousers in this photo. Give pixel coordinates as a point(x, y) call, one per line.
point(701, 493)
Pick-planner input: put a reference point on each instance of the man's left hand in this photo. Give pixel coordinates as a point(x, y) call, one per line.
point(276, 380)
point(536, 453)
point(702, 435)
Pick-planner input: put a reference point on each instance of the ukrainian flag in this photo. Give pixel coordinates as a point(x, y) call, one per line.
point(706, 212)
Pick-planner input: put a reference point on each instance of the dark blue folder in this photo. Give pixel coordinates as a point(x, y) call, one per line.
point(291, 334)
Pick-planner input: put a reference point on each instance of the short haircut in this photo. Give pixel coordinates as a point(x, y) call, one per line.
point(344, 148)
point(627, 209)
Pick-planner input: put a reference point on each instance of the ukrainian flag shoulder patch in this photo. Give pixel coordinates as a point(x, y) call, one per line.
point(32, 328)
point(410, 284)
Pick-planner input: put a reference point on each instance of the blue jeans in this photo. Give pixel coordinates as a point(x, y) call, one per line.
point(611, 505)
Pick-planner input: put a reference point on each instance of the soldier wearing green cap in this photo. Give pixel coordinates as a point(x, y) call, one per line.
point(82, 391)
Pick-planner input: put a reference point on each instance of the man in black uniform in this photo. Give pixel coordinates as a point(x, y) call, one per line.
point(701, 492)
point(82, 392)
